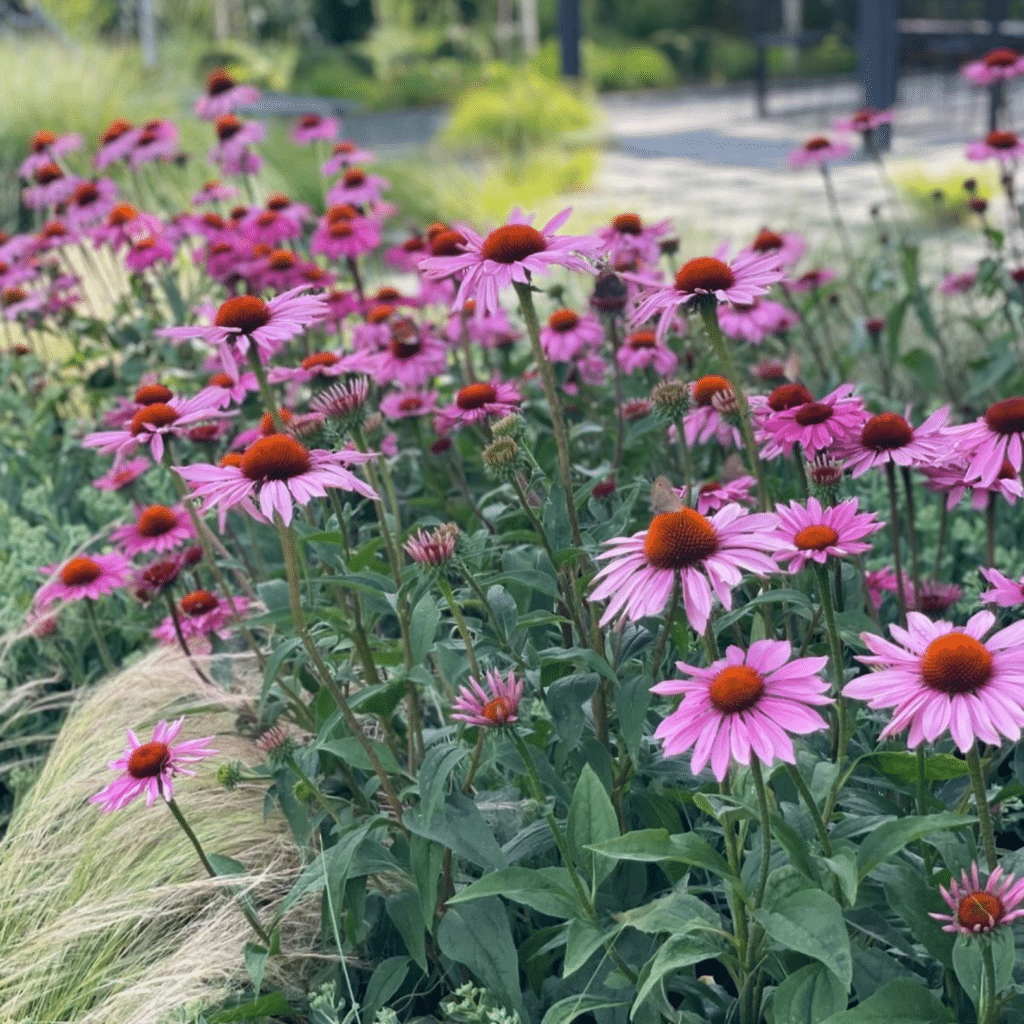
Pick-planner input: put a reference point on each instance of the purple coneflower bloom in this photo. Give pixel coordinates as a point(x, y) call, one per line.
point(476, 402)
point(701, 553)
point(150, 767)
point(567, 334)
point(995, 438)
point(819, 151)
point(357, 188)
point(510, 254)
point(495, 706)
point(743, 705)
point(199, 614)
point(84, 576)
point(865, 120)
point(786, 247)
point(835, 419)
point(643, 349)
point(315, 128)
point(978, 910)
point(939, 677)
point(276, 471)
point(997, 65)
point(223, 95)
point(999, 145)
point(715, 494)
point(1005, 592)
point(156, 528)
point(888, 437)
point(818, 534)
point(740, 281)
point(754, 322)
point(627, 239)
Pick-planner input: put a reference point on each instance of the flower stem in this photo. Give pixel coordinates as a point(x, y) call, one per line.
point(525, 296)
point(812, 806)
point(986, 833)
point(908, 489)
point(181, 638)
point(659, 651)
point(990, 530)
point(835, 643)
point(90, 612)
point(449, 596)
point(194, 840)
point(988, 1005)
point(766, 831)
point(327, 679)
point(894, 530)
point(709, 314)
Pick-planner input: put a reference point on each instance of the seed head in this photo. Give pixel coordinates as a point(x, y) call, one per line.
point(501, 457)
point(513, 425)
point(671, 397)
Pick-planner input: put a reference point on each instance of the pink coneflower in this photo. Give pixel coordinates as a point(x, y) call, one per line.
point(247, 319)
point(867, 119)
point(152, 421)
point(492, 707)
point(786, 247)
point(150, 767)
point(268, 227)
point(510, 254)
point(756, 321)
point(17, 302)
point(1005, 592)
point(115, 143)
point(933, 597)
point(995, 438)
point(710, 394)
point(835, 419)
point(998, 145)
point(702, 553)
point(214, 192)
point(50, 187)
point(997, 65)
point(939, 677)
point(818, 534)
point(949, 480)
point(124, 225)
point(122, 475)
point(276, 471)
point(413, 356)
point(811, 280)
point(977, 910)
point(201, 613)
point(567, 334)
point(45, 147)
point(433, 548)
point(642, 349)
point(818, 151)
point(888, 437)
point(740, 281)
point(745, 704)
point(345, 154)
point(959, 282)
point(223, 95)
point(628, 239)
point(315, 128)
point(357, 188)
point(476, 402)
point(400, 405)
point(90, 202)
point(234, 137)
point(343, 231)
point(880, 582)
point(715, 494)
point(158, 140)
point(84, 576)
point(147, 252)
point(156, 528)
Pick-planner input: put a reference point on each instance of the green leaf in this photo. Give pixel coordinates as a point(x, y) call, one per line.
point(655, 845)
point(404, 910)
point(912, 898)
point(422, 627)
point(426, 859)
point(478, 936)
point(969, 964)
point(676, 952)
point(900, 1002)
point(504, 607)
point(274, 595)
point(678, 912)
point(435, 771)
point(843, 864)
point(565, 1011)
point(808, 996)
point(459, 826)
point(632, 700)
point(902, 766)
point(255, 963)
point(350, 750)
point(891, 837)
point(811, 922)
point(272, 1005)
point(873, 968)
point(592, 819)
point(565, 698)
point(583, 940)
point(385, 981)
point(225, 865)
point(546, 890)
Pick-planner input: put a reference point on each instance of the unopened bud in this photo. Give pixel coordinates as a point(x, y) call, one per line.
point(501, 457)
point(671, 397)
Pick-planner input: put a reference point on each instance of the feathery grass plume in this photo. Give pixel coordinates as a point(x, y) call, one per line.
point(110, 919)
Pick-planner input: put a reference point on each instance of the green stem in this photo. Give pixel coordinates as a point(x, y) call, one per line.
point(90, 612)
point(812, 806)
point(181, 638)
point(449, 596)
point(659, 651)
point(474, 763)
point(327, 679)
point(990, 530)
point(836, 657)
point(266, 395)
point(766, 831)
point(894, 530)
point(988, 1006)
point(709, 314)
point(986, 833)
point(908, 489)
point(525, 296)
point(194, 840)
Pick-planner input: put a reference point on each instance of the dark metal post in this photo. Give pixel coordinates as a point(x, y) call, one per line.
point(569, 27)
point(879, 44)
point(761, 78)
point(995, 12)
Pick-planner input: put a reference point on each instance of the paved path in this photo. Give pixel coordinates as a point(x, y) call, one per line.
point(706, 160)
